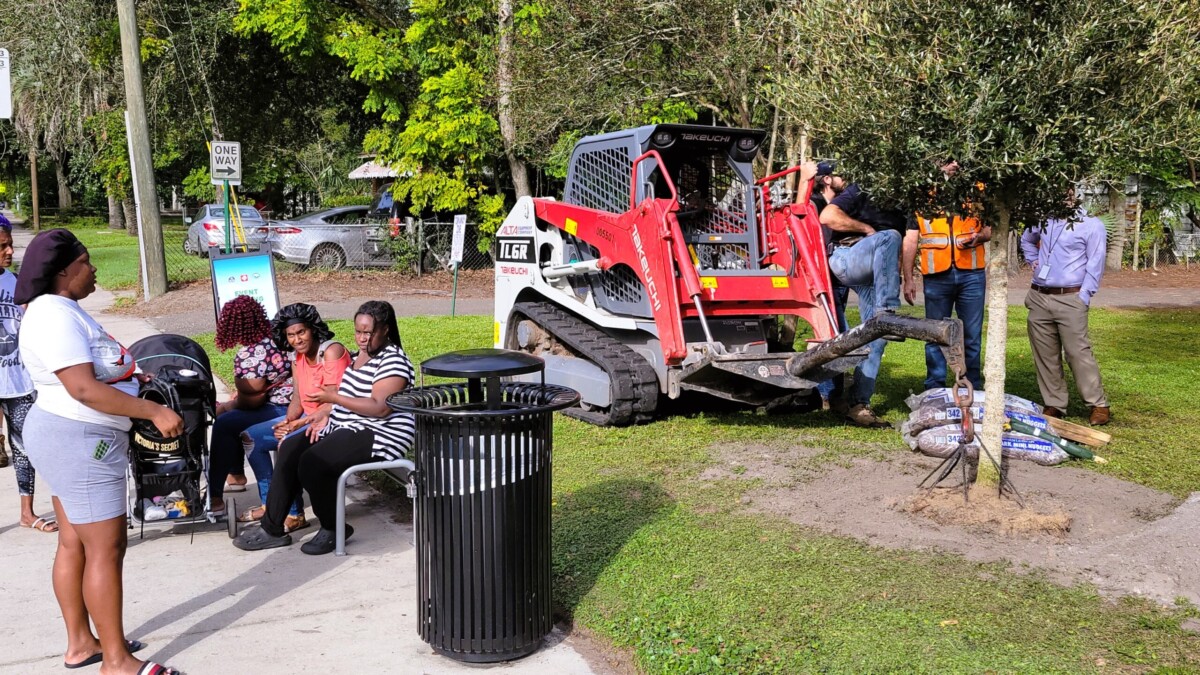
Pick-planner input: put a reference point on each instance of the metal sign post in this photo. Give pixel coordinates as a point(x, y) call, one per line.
point(5, 86)
point(456, 254)
point(225, 169)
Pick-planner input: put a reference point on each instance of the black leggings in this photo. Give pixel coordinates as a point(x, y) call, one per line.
point(315, 467)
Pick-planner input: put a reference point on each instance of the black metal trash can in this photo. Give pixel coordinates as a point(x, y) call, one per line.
point(483, 453)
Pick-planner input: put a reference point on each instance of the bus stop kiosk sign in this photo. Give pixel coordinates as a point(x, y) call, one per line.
point(251, 273)
point(225, 162)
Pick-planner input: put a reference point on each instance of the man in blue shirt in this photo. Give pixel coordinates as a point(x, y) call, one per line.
point(865, 256)
point(1068, 262)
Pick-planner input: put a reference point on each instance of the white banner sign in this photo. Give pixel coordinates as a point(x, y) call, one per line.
point(456, 244)
point(5, 86)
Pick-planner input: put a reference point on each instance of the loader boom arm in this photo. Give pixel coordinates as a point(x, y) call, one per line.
point(947, 333)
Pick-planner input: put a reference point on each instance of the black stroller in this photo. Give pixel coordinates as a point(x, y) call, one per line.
point(159, 466)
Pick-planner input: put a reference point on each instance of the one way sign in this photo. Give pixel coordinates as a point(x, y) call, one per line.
point(225, 162)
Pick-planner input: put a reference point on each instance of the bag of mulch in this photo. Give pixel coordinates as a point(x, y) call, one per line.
point(943, 397)
point(930, 416)
point(943, 441)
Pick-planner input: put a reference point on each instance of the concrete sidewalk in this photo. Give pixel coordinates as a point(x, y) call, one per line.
point(205, 607)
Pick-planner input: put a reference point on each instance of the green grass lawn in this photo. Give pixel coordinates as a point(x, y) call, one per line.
point(655, 561)
point(115, 253)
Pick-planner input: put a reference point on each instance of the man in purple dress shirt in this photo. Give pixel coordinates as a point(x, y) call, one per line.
point(1068, 262)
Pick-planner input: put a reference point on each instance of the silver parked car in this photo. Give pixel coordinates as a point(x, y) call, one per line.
point(208, 229)
point(333, 238)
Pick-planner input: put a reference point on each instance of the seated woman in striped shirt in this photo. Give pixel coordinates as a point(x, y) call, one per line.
point(361, 428)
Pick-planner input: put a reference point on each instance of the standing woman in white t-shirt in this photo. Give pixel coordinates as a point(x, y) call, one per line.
point(77, 435)
point(16, 389)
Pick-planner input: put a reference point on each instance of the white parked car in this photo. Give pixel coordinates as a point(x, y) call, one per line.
point(207, 228)
point(333, 239)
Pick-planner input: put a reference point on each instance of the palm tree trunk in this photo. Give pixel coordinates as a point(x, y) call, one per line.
point(64, 188)
point(1116, 243)
point(116, 219)
point(131, 223)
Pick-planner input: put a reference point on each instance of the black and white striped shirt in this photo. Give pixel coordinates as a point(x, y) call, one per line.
point(395, 433)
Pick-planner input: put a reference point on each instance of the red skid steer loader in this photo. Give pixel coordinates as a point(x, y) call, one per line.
point(668, 268)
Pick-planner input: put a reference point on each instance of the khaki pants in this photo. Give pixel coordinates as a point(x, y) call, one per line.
point(1058, 324)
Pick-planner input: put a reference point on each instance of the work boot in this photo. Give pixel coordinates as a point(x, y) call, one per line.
point(1100, 416)
point(1051, 411)
point(863, 416)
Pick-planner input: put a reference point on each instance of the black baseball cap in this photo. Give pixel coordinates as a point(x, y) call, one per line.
point(827, 168)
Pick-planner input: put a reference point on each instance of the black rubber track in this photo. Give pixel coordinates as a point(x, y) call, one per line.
point(633, 384)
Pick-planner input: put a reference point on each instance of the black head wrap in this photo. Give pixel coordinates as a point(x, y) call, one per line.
point(48, 254)
point(298, 313)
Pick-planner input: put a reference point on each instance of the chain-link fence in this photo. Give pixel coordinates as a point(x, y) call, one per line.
point(335, 241)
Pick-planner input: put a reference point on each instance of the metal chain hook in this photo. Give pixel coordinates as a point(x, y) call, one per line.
point(964, 402)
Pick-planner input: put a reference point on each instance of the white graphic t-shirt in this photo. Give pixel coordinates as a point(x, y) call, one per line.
point(55, 334)
point(14, 380)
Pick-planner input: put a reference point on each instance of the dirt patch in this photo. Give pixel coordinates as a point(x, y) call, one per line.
point(1123, 537)
point(985, 510)
point(774, 466)
point(318, 285)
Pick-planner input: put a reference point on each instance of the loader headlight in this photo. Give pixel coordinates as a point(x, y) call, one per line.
point(663, 139)
point(747, 144)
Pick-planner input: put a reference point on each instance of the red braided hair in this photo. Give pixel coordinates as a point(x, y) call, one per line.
point(243, 321)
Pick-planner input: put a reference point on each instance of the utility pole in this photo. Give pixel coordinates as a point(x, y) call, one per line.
point(139, 141)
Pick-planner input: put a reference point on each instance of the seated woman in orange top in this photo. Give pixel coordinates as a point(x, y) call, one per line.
point(317, 365)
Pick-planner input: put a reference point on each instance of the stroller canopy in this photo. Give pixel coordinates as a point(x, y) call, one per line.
point(155, 352)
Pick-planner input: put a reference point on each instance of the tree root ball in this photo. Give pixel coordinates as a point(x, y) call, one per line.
point(989, 512)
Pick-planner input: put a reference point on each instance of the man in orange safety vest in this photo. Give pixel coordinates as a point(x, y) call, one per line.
point(950, 250)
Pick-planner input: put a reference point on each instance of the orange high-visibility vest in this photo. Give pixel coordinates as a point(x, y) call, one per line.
point(936, 247)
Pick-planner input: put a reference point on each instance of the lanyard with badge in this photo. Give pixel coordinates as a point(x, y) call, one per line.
point(1043, 271)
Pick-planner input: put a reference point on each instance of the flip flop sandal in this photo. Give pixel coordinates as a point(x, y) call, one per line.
point(293, 523)
point(48, 525)
point(235, 487)
point(258, 539)
point(151, 668)
point(131, 645)
point(248, 516)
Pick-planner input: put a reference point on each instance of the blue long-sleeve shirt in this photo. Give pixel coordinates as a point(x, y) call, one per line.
point(1074, 255)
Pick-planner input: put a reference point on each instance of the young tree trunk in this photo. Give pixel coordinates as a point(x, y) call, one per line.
point(504, 80)
point(64, 188)
point(1116, 243)
point(116, 219)
point(997, 348)
point(131, 223)
point(33, 191)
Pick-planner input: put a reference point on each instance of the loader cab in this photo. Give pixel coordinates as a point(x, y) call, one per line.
point(711, 168)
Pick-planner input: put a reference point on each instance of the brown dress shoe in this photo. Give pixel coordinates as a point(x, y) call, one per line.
point(1051, 411)
point(1100, 416)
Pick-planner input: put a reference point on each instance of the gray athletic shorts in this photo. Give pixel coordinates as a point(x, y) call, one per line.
point(84, 464)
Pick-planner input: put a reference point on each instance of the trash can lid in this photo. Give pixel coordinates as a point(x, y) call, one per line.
point(477, 363)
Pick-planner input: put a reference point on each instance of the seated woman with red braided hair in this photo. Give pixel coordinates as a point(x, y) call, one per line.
point(263, 381)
